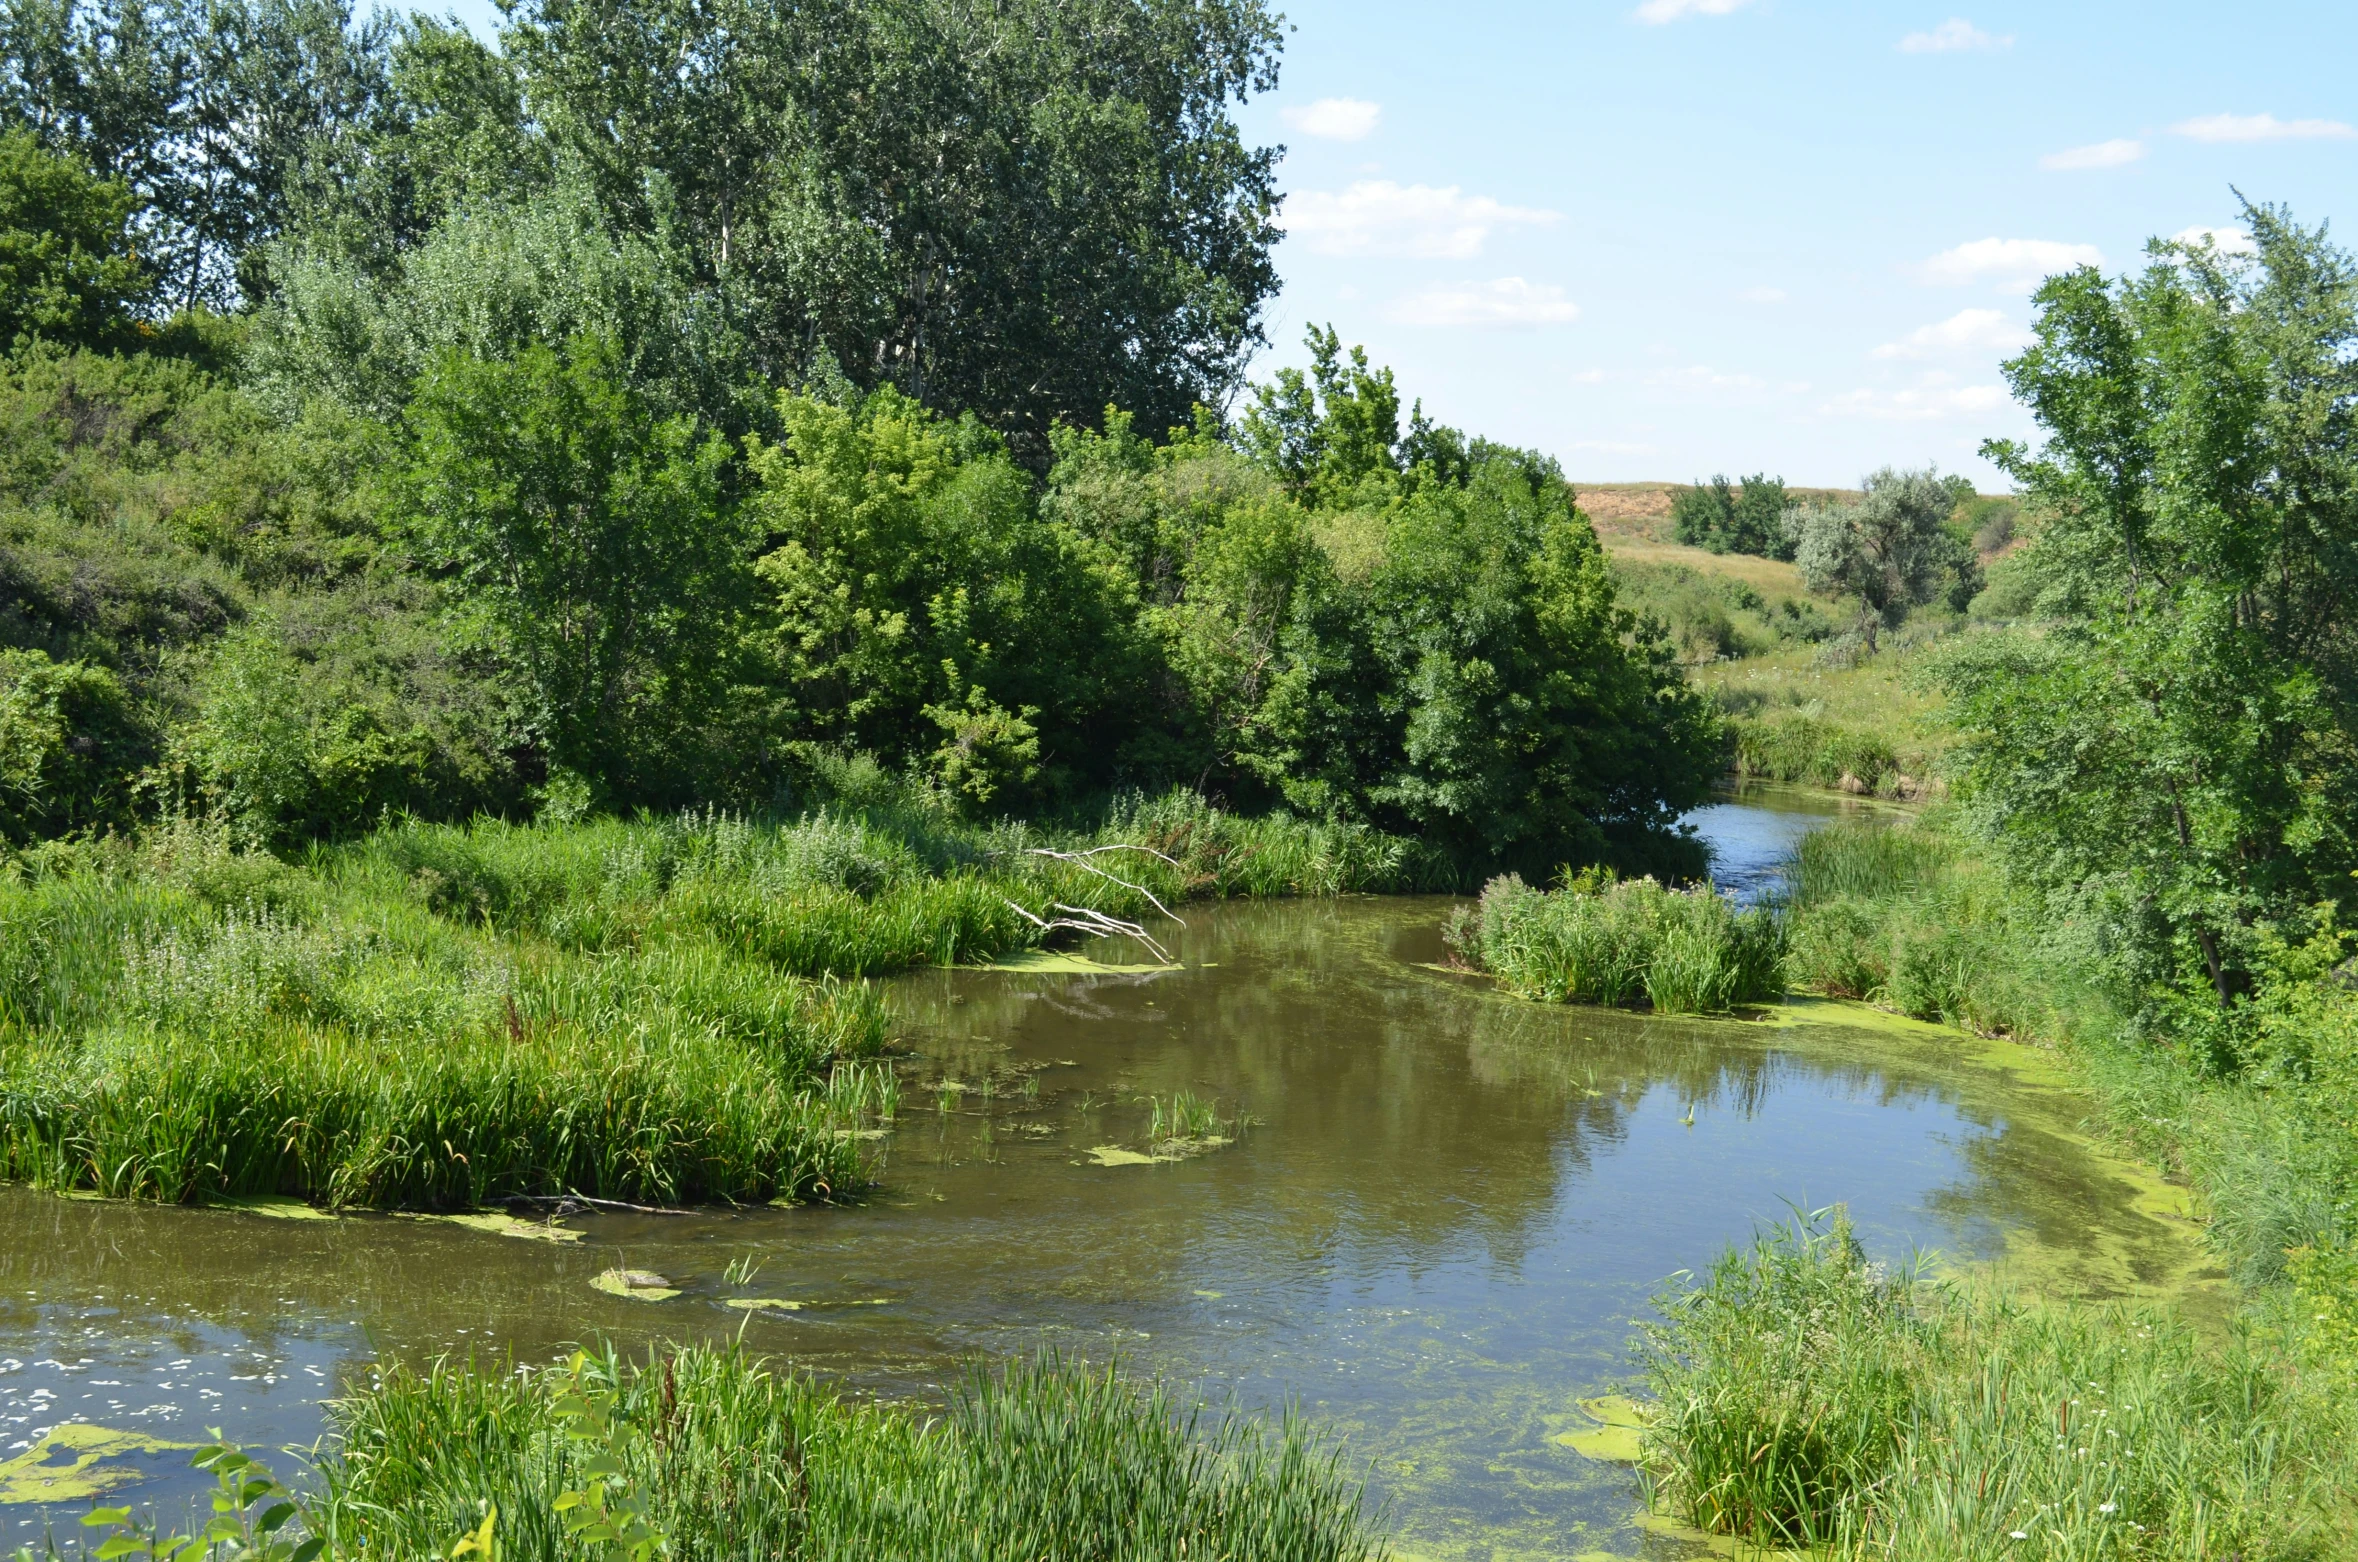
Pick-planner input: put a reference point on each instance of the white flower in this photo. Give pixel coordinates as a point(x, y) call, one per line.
point(2107, 1507)
point(2020, 1534)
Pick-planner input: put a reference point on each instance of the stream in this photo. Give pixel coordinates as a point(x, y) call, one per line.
point(1432, 1234)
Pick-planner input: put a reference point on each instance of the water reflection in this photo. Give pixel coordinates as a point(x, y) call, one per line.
point(1435, 1234)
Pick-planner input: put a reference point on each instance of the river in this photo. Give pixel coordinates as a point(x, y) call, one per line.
point(1433, 1234)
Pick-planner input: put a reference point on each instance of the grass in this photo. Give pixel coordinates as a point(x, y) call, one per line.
point(1796, 715)
point(1807, 1397)
point(439, 1016)
point(726, 1456)
point(1615, 941)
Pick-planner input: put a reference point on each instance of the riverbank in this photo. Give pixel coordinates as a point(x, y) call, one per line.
point(1929, 1418)
point(443, 1017)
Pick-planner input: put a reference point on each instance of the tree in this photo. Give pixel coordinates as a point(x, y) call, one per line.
point(922, 609)
point(1026, 210)
point(67, 271)
point(2182, 741)
point(208, 110)
point(1726, 519)
point(1891, 548)
point(585, 543)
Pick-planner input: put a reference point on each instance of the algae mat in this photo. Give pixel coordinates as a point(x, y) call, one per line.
point(69, 1464)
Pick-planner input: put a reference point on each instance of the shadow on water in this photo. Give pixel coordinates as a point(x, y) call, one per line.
point(1433, 1233)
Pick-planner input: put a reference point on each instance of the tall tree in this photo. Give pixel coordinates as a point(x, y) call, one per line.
point(1025, 210)
point(2184, 740)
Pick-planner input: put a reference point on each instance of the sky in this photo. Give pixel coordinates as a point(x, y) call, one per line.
point(1668, 238)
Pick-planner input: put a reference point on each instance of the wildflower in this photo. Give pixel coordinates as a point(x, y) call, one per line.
point(2108, 1507)
point(2020, 1534)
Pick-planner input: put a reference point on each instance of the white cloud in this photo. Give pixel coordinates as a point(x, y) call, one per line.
point(1335, 119)
point(2228, 241)
point(1762, 295)
point(1587, 377)
point(1507, 301)
point(1379, 217)
point(2262, 127)
point(2102, 154)
point(2011, 263)
point(1655, 12)
point(1923, 404)
point(1954, 34)
point(1968, 330)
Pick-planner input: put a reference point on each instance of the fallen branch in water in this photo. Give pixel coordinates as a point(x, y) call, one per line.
point(1081, 860)
point(558, 1204)
point(1095, 923)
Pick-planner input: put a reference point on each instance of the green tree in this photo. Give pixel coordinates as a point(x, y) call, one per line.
point(923, 610)
point(585, 541)
point(1025, 211)
point(1891, 548)
point(2180, 743)
point(1727, 519)
point(67, 271)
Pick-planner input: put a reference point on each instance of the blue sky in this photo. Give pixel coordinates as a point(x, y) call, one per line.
point(1685, 236)
point(1664, 238)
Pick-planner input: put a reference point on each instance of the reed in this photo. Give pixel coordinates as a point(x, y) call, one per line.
point(1606, 941)
point(1043, 1458)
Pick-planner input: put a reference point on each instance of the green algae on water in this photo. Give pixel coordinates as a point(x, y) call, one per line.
point(638, 1285)
point(1048, 962)
point(1620, 1423)
point(33, 1476)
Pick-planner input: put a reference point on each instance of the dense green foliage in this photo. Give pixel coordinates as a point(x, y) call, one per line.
point(1755, 517)
point(2178, 751)
point(1806, 1396)
point(591, 438)
point(724, 1456)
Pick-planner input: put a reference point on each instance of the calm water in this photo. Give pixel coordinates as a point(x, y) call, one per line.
point(1434, 1235)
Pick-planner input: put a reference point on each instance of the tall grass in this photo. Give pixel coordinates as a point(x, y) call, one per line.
point(1609, 941)
point(1807, 1397)
point(1899, 916)
point(441, 1015)
point(1041, 1459)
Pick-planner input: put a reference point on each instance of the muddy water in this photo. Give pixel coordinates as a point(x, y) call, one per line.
point(1432, 1234)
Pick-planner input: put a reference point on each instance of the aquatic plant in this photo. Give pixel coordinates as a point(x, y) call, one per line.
point(1607, 941)
point(1042, 1458)
point(1182, 1115)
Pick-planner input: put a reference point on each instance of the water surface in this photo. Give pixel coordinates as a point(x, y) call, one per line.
point(1433, 1236)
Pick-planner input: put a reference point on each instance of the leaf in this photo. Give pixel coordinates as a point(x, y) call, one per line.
point(273, 1518)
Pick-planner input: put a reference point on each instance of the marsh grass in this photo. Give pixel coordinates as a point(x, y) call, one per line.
point(437, 1016)
point(1041, 1458)
point(1605, 941)
point(1805, 1396)
point(1898, 915)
